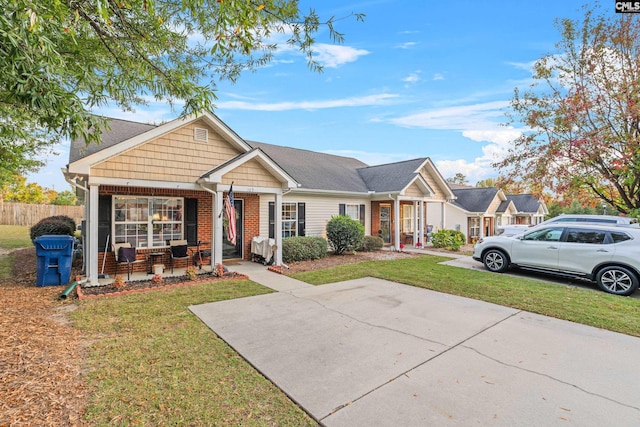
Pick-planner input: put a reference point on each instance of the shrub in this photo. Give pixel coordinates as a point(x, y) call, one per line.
point(451, 240)
point(372, 243)
point(344, 234)
point(301, 248)
point(58, 225)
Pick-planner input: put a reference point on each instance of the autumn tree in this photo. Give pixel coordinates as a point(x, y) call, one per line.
point(18, 190)
point(582, 114)
point(63, 58)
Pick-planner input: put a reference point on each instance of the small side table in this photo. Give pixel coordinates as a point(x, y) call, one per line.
point(152, 259)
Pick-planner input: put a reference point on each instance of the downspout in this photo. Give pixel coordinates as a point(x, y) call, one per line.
point(75, 184)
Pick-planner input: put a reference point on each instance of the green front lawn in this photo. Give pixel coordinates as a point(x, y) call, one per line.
point(152, 362)
point(590, 307)
point(14, 237)
point(11, 237)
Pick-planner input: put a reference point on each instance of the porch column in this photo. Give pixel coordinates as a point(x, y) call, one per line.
point(416, 223)
point(396, 224)
point(278, 228)
point(442, 215)
point(92, 236)
point(217, 229)
point(421, 223)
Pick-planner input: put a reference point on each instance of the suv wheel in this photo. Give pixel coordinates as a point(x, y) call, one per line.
point(495, 260)
point(617, 280)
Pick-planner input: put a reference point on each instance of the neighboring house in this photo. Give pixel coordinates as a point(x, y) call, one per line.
point(475, 211)
point(147, 185)
point(530, 209)
point(478, 211)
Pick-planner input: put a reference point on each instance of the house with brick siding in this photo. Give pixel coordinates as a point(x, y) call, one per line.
point(147, 185)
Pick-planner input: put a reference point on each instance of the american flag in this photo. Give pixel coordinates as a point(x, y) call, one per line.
point(230, 212)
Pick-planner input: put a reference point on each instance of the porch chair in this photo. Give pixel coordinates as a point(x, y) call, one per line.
point(178, 249)
point(201, 253)
point(125, 255)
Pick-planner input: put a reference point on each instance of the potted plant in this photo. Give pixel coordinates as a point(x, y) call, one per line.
point(191, 273)
point(119, 282)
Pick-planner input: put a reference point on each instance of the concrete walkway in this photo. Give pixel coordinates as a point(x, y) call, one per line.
point(370, 352)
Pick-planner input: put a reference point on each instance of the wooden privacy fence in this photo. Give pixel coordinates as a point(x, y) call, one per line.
point(28, 215)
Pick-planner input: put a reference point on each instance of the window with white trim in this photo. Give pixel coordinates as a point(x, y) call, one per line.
point(289, 219)
point(406, 214)
point(474, 227)
point(352, 211)
point(140, 220)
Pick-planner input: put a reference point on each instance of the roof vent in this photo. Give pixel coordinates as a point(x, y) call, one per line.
point(200, 134)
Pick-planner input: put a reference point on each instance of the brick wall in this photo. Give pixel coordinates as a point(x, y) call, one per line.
point(205, 225)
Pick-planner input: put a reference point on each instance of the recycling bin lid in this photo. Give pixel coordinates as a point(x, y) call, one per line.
point(53, 242)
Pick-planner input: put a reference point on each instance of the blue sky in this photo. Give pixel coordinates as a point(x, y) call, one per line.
point(418, 78)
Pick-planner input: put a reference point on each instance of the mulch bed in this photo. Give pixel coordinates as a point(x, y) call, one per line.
point(41, 354)
point(137, 286)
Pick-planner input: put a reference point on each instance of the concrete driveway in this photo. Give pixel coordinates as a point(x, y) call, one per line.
point(369, 352)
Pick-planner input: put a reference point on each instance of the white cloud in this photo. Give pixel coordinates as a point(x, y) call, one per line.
point(502, 136)
point(358, 101)
point(527, 66)
point(481, 167)
point(438, 76)
point(333, 56)
point(412, 78)
point(465, 117)
point(407, 45)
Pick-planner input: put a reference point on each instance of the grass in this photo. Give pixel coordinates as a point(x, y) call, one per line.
point(152, 362)
point(12, 237)
point(594, 308)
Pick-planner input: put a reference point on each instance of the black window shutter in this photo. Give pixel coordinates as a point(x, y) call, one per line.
point(104, 223)
point(301, 222)
point(191, 221)
point(362, 214)
point(272, 220)
point(342, 209)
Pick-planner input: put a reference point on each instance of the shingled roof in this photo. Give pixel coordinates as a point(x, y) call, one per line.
point(318, 171)
point(312, 170)
point(390, 177)
point(119, 130)
point(525, 203)
point(475, 199)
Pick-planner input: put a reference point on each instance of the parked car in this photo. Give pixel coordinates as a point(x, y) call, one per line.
point(606, 254)
point(594, 219)
point(511, 229)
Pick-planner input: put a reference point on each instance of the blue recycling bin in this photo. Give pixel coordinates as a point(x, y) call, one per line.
point(54, 256)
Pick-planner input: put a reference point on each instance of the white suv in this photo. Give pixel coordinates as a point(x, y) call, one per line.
point(607, 254)
point(594, 219)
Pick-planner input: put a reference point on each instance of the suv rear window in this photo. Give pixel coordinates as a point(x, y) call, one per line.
point(619, 237)
point(586, 236)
